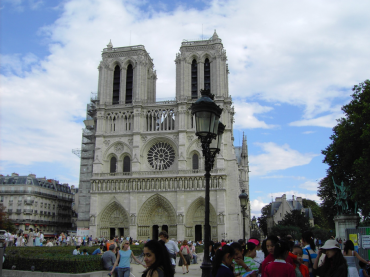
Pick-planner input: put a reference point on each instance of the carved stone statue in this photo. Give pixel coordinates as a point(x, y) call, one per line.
point(345, 205)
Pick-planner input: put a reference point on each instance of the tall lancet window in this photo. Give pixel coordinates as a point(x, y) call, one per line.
point(113, 165)
point(126, 164)
point(194, 80)
point(207, 75)
point(195, 162)
point(116, 84)
point(129, 83)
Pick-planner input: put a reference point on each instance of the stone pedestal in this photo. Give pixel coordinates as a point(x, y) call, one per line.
point(343, 222)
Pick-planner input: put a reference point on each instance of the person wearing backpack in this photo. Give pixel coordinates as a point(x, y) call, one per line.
point(309, 251)
point(185, 251)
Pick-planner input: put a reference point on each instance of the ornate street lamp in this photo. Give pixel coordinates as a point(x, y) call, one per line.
point(243, 197)
point(209, 130)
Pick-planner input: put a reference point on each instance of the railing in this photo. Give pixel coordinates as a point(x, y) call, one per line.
point(27, 211)
point(29, 202)
point(19, 211)
point(33, 192)
point(168, 183)
point(158, 173)
point(125, 48)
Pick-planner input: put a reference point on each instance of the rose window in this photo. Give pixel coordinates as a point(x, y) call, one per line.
point(161, 156)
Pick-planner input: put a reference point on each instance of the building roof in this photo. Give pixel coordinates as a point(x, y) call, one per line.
point(31, 180)
point(294, 205)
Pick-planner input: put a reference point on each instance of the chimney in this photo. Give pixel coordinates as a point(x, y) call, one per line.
point(15, 174)
point(32, 175)
point(293, 197)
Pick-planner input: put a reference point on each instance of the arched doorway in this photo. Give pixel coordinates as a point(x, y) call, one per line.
point(194, 221)
point(114, 221)
point(156, 214)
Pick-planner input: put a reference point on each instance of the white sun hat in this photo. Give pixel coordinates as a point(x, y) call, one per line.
point(330, 244)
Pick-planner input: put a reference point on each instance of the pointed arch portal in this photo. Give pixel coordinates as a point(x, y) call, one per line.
point(156, 214)
point(194, 220)
point(114, 221)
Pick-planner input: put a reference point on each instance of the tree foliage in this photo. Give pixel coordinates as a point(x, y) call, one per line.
point(284, 230)
point(295, 218)
point(326, 192)
point(5, 222)
point(262, 221)
point(318, 217)
point(348, 155)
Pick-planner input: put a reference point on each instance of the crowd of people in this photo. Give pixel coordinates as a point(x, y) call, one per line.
point(273, 257)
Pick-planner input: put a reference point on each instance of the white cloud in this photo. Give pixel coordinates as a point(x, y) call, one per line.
point(283, 52)
point(256, 205)
point(308, 132)
point(277, 157)
point(328, 121)
point(283, 177)
point(245, 115)
point(309, 185)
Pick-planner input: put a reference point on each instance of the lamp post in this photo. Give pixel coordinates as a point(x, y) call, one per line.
point(243, 197)
point(209, 130)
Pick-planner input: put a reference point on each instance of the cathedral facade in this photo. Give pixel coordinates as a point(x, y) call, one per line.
point(142, 169)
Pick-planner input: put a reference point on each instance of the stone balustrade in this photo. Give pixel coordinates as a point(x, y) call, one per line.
point(155, 184)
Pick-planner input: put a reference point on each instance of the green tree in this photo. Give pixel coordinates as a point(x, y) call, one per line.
point(282, 231)
point(326, 192)
point(5, 222)
point(262, 220)
point(317, 213)
point(348, 155)
point(296, 218)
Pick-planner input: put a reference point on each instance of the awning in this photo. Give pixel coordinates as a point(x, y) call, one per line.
point(27, 224)
point(16, 224)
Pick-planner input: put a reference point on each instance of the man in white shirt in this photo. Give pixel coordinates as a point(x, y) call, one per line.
point(77, 250)
point(6, 239)
point(49, 243)
point(41, 239)
point(172, 248)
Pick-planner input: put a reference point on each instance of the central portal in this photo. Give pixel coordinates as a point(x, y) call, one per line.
point(155, 232)
point(198, 232)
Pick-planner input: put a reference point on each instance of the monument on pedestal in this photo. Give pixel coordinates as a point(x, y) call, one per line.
point(347, 216)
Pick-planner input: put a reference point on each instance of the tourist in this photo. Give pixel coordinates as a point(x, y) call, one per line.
point(297, 254)
point(49, 243)
point(109, 257)
point(334, 263)
point(363, 271)
point(173, 249)
point(279, 267)
point(350, 254)
point(259, 254)
point(37, 237)
point(193, 253)
point(122, 264)
point(77, 250)
point(19, 239)
point(41, 238)
point(98, 251)
point(184, 249)
point(84, 252)
point(30, 238)
point(309, 250)
point(270, 247)
point(240, 260)
point(222, 262)
point(157, 259)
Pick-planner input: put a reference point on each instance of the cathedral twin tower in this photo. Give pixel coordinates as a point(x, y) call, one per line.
point(142, 170)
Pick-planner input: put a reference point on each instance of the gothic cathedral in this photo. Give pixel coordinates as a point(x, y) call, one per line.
point(142, 169)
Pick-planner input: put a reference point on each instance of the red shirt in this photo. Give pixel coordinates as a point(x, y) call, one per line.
point(269, 259)
point(279, 269)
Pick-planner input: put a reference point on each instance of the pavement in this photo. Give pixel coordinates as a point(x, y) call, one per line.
point(194, 269)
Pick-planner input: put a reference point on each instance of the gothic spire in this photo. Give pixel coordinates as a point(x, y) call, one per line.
point(110, 45)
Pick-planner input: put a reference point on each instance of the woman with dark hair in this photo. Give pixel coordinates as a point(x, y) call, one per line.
point(30, 238)
point(157, 260)
point(270, 246)
point(350, 254)
point(309, 250)
point(184, 249)
point(222, 262)
point(279, 267)
point(264, 249)
point(240, 263)
point(334, 265)
point(37, 237)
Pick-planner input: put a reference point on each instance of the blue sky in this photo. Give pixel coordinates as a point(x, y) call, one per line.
point(292, 66)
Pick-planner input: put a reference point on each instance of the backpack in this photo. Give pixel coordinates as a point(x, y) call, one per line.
point(184, 251)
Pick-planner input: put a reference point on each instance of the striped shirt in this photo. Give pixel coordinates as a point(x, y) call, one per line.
point(313, 254)
point(249, 262)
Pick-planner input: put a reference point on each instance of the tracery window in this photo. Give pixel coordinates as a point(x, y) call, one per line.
point(129, 83)
point(113, 165)
point(207, 74)
point(194, 79)
point(195, 161)
point(116, 84)
point(126, 164)
point(161, 156)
